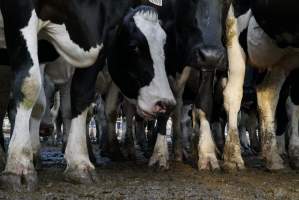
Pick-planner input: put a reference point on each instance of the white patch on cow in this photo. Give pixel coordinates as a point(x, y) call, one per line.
point(206, 147)
point(157, 2)
point(158, 89)
point(76, 153)
point(68, 49)
point(233, 92)
point(20, 152)
point(160, 154)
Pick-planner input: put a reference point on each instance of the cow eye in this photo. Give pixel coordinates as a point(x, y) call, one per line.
point(136, 49)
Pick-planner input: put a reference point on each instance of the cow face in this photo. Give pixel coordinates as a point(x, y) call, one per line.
point(137, 63)
point(200, 31)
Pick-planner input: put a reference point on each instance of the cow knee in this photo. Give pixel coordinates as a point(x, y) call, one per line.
point(30, 90)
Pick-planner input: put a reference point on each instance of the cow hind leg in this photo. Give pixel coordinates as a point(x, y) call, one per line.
point(79, 167)
point(207, 159)
point(267, 96)
point(19, 171)
point(233, 93)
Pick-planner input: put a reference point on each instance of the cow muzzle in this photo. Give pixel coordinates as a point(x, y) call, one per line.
point(209, 58)
point(161, 107)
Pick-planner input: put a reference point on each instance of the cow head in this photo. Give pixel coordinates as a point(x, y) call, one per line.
point(200, 33)
point(136, 62)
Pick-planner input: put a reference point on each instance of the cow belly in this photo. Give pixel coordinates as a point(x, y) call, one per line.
point(60, 71)
point(262, 50)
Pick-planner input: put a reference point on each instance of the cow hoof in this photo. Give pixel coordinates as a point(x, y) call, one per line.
point(19, 183)
point(232, 153)
point(208, 162)
point(160, 155)
point(159, 160)
point(274, 162)
point(79, 175)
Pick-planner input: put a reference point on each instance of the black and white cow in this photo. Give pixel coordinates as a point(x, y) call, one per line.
point(195, 40)
point(264, 34)
point(84, 33)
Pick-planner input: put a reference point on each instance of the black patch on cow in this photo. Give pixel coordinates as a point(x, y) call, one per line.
point(19, 56)
point(129, 59)
point(281, 113)
point(241, 7)
point(83, 86)
point(279, 19)
point(294, 82)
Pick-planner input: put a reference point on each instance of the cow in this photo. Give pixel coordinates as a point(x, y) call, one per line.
point(264, 34)
point(84, 33)
point(196, 41)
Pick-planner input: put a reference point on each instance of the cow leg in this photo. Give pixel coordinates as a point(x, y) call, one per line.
point(34, 127)
point(233, 93)
point(218, 132)
point(251, 127)
point(129, 140)
point(267, 96)
point(19, 171)
point(294, 135)
point(186, 130)
point(79, 168)
point(176, 117)
point(5, 82)
point(112, 146)
point(160, 154)
point(245, 147)
point(65, 108)
point(207, 159)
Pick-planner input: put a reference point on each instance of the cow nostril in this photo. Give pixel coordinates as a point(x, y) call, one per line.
point(162, 105)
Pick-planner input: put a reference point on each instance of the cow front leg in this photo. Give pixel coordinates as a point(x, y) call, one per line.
point(179, 87)
point(19, 173)
point(267, 96)
point(207, 159)
point(160, 154)
point(293, 110)
point(233, 93)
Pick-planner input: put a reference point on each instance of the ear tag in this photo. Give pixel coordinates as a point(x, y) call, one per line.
point(157, 2)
